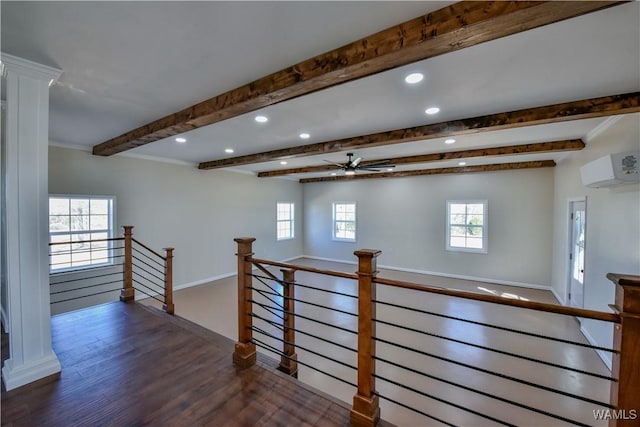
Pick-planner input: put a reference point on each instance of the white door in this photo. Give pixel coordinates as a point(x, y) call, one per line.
point(576, 254)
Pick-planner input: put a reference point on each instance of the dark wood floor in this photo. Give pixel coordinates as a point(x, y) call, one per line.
point(130, 365)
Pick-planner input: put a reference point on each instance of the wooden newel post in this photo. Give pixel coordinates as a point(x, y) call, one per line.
point(127, 293)
point(289, 360)
point(244, 355)
point(625, 394)
point(168, 281)
point(366, 408)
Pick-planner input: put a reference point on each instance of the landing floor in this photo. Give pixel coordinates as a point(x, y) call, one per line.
point(131, 365)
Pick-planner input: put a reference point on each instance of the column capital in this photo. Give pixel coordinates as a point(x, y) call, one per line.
point(21, 66)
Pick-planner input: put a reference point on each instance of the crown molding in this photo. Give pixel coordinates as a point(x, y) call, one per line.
point(596, 131)
point(60, 144)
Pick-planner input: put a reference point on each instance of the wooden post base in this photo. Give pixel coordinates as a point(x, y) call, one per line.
point(127, 294)
point(168, 308)
point(289, 365)
point(365, 411)
point(245, 355)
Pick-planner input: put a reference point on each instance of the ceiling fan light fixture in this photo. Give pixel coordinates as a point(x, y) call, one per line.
point(349, 173)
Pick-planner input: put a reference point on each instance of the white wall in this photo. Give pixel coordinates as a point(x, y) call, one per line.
point(405, 218)
point(613, 223)
point(196, 212)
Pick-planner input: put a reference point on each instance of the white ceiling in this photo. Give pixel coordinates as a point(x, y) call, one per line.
point(128, 63)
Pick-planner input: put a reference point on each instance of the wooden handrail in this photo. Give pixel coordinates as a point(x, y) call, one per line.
point(551, 308)
point(532, 305)
point(365, 409)
point(111, 239)
point(127, 292)
point(304, 268)
point(149, 249)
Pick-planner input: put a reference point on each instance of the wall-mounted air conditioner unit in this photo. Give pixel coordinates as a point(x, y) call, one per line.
point(614, 169)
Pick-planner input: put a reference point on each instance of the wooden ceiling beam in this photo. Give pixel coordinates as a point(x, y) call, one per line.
point(511, 150)
point(441, 171)
point(567, 111)
point(452, 28)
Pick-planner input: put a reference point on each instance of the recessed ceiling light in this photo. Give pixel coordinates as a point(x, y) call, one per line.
point(414, 78)
point(283, 162)
point(304, 135)
point(228, 150)
point(350, 172)
point(462, 163)
point(333, 174)
point(449, 141)
point(261, 119)
point(432, 110)
point(389, 169)
point(181, 140)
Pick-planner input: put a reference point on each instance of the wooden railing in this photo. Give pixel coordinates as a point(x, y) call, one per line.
point(103, 266)
point(266, 319)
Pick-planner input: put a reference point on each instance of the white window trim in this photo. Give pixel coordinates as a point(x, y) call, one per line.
point(485, 227)
point(110, 232)
point(292, 221)
point(333, 222)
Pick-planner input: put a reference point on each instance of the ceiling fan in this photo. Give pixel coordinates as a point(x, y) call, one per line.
point(353, 165)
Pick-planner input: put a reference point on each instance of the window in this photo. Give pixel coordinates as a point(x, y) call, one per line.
point(344, 221)
point(284, 221)
point(467, 225)
point(73, 222)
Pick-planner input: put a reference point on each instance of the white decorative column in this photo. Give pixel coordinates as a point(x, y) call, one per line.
point(26, 183)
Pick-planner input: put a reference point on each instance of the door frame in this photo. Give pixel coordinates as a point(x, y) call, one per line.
point(569, 247)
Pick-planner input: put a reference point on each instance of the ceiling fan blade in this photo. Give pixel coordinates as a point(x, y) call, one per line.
point(367, 168)
point(380, 163)
point(379, 167)
point(356, 162)
point(340, 165)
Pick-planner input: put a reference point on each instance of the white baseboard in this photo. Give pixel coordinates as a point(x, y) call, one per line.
point(203, 281)
point(319, 258)
point(555, 294)
point(439, 274)
point(221, 276)
point(386, 267)
point(5, 320)
point(604, 355)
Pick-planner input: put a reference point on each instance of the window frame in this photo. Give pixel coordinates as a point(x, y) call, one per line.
point(291, 221)
point(334, 222)
point(484, 226)
point(110, 232)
